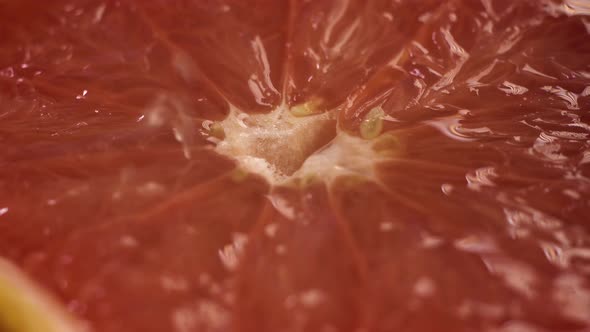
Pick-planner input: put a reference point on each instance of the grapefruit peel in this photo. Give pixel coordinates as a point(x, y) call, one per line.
point(24, 307)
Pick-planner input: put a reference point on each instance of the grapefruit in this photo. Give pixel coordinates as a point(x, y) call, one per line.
point(294, 165)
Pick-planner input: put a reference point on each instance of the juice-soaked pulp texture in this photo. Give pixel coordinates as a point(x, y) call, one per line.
point(447, 188)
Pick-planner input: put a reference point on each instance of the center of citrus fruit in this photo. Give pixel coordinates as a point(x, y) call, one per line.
point(286, 144)
point(274, 144)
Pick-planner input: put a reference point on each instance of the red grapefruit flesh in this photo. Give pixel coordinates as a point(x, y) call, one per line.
point(295, 165)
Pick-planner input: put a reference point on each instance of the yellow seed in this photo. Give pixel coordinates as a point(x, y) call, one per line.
point(372, 123)
point(216, 130)
point(387, 144)
point(303, 181)
point(353, 180)
point(307, 108)
point(239, 174)
point(308, 180)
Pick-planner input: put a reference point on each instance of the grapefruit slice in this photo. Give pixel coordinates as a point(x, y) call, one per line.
point(295, 165)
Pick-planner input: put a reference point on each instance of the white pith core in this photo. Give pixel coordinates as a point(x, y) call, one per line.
point(280, 146)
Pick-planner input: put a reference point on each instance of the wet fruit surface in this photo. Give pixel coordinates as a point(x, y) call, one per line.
point(299, 165)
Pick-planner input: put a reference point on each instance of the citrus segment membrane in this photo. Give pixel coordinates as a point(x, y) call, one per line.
point(25, 307)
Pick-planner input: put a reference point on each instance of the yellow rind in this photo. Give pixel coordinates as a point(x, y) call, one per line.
point(25, 307)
